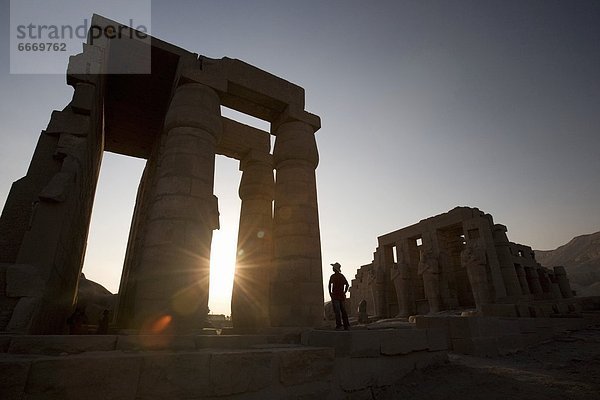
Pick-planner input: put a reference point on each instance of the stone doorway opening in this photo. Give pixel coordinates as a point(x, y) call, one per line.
point(452, 242)
point(224, 241)
point(110, 224)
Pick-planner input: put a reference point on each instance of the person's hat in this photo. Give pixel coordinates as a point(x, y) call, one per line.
point(336, 266)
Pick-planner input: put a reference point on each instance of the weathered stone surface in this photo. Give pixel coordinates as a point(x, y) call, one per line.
point(175, 376)
point(195, 106)
point(499, 310)
point(391, 323)
point(23, 281)
point(527, 325)
point(56, 190)
point(13, 378)
point(340, 341)
point(404, 342)
point(238, 372)
point(84, 377)
point(68, 122)
point(486, 347)
point(85, 67)
point(58, 344)
point(510, 343)
point(367, 343)
point(22, 315)
point(302, 365)
point(84, 98)
point(155, 342)
point(463, 327)
point(231, 341)
point(437, 339)
point(354, 374)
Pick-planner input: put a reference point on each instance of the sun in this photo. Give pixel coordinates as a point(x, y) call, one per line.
point(222, 268)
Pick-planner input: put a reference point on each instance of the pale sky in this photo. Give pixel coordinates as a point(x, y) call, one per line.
point(425, 106)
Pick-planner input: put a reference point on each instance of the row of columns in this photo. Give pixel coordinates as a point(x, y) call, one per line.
point(172, 278)
point(278, 278)
point(545, 283)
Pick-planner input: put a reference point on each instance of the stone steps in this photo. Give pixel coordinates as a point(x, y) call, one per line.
point(206, 373)
point(206, 367)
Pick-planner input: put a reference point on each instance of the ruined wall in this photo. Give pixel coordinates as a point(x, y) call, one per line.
point(60, 184)
point(456, 260)
point(45, 223)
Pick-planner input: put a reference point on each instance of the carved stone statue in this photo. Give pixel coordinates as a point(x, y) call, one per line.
point(429, 269)
point(400, 276)
point(474, 260)
point(377, 287)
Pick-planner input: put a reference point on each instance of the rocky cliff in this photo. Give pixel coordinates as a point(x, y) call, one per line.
point(581, 259)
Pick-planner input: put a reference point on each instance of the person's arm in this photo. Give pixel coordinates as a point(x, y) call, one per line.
point(346, 285)
point(330, 286)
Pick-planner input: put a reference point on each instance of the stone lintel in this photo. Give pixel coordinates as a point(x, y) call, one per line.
point(238, 140)
point(213, 80)
point(68, 122)
point(452, 217)
point(255, 80)
point(251, 90)
point(293, 113)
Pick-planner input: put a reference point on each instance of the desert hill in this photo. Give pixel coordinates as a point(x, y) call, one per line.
point(581, 259)
point(95, 298)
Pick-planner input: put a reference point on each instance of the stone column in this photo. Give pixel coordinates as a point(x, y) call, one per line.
point(297, 280)
point(522, 280)
point(533, 280)
point(379, 269)
point(563, 282)
point(430, 272)
point(474, 259)
point(401, 278)
point(509, 274)
point(554, 286)
point(250, 297)
point(171, 288)
point(44, 225)
point(544, 280)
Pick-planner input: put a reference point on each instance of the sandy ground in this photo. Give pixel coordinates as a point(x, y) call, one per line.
point(566, 367)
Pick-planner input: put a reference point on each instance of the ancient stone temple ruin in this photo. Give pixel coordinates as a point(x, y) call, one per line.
point(170, 117)
point(458, 260)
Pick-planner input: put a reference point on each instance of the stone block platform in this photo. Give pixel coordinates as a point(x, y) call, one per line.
point(139, 367)
point(493, 336)
point(317, 364)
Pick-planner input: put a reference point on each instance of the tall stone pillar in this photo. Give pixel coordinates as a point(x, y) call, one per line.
point(401, 277)
point(378, 281)
point(509, 274)
point(522, 280)
point(250, 297)
point(44, 225)
point(544, 281)
point(554, 286)
point(563, 282)
point(475, 260)
point(171, 288)
point(297, 280)
point(533, 281)
point(430, 272)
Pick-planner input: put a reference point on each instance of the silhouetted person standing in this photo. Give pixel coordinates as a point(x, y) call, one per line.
point(338, 286)
point(103, 324)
